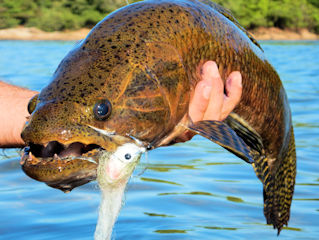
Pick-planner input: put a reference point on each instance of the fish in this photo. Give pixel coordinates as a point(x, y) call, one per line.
point(130, 81)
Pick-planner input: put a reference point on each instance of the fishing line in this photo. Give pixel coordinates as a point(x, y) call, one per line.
point(144, 166)
point(3, 153)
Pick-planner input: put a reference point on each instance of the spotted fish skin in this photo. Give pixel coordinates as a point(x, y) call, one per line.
point(145, 59)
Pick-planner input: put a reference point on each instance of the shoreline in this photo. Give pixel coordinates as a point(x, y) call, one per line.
point(23, 33)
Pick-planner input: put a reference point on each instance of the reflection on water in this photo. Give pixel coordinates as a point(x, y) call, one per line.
point(170, 231)
point(159, 181)
point(157, 215)
point(291, 43)
point(194, 190)
point(218, 228)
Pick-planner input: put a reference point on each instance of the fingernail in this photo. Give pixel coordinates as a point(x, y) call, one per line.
point(239, 79)
point(240, 82)
point(213, 69)
point(206, 92)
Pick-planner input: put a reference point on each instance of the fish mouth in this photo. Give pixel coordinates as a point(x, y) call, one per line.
point(61, 166)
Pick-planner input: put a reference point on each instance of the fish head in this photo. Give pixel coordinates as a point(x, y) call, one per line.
point(74, 121)
point(99, 98)
point(118, 86)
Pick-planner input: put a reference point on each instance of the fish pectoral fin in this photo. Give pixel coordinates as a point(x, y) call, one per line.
point(223, 135)
point(249, 135)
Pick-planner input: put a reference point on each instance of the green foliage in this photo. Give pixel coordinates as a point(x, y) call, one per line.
point(314, 2)
point(53, 20)
point(250, 13)
point(292, 14)
point(52, 15)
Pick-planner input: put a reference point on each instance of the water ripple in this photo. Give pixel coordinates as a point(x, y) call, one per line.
point(194, 190)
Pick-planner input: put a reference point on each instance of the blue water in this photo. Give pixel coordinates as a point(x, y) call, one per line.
point(194, 190)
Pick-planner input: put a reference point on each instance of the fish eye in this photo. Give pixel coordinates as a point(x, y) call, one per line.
point(32, 103)
point(128, 156)
point(102, 109)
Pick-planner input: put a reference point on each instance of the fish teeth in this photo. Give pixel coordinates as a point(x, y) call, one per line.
point(56, 157)
point(46, 144)
point(66, 145)
point(34, 160)
point(25, 157)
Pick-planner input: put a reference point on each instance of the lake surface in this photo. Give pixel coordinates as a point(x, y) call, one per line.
point(194, 190)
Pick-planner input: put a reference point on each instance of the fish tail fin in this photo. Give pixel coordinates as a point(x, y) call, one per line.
point(278, 185)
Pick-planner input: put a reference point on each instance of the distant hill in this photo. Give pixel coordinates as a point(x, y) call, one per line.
point(58, 15)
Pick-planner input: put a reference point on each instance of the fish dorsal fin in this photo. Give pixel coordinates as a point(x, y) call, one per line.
point(246, 132)
point(226, 13)
point(224, 136)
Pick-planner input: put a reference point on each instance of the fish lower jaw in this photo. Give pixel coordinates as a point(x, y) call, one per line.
point(55, 150)
point(61, 167)
point(30, 159)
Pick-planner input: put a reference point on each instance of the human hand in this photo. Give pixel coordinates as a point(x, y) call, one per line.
point(13, 107)
point(209, 101)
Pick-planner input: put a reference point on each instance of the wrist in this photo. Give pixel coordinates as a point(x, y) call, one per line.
point(13, 108)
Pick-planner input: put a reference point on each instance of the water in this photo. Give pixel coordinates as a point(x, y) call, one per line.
point(194, 190)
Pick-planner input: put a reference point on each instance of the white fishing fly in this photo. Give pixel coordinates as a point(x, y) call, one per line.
point(113, 173)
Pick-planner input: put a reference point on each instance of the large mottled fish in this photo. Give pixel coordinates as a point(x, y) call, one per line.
point(130, 81)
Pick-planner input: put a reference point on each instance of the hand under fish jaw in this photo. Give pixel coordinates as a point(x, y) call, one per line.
point(61, 166)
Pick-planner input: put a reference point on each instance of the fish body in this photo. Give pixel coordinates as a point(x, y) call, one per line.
point(130, 81)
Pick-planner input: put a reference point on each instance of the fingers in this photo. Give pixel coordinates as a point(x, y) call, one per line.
point(209, 101)
point(202, 93)
point(216, 99)
point(199, 102)
point(233, 93)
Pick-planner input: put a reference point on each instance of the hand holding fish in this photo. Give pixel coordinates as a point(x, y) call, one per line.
point(208, 103)
point(134, 82)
